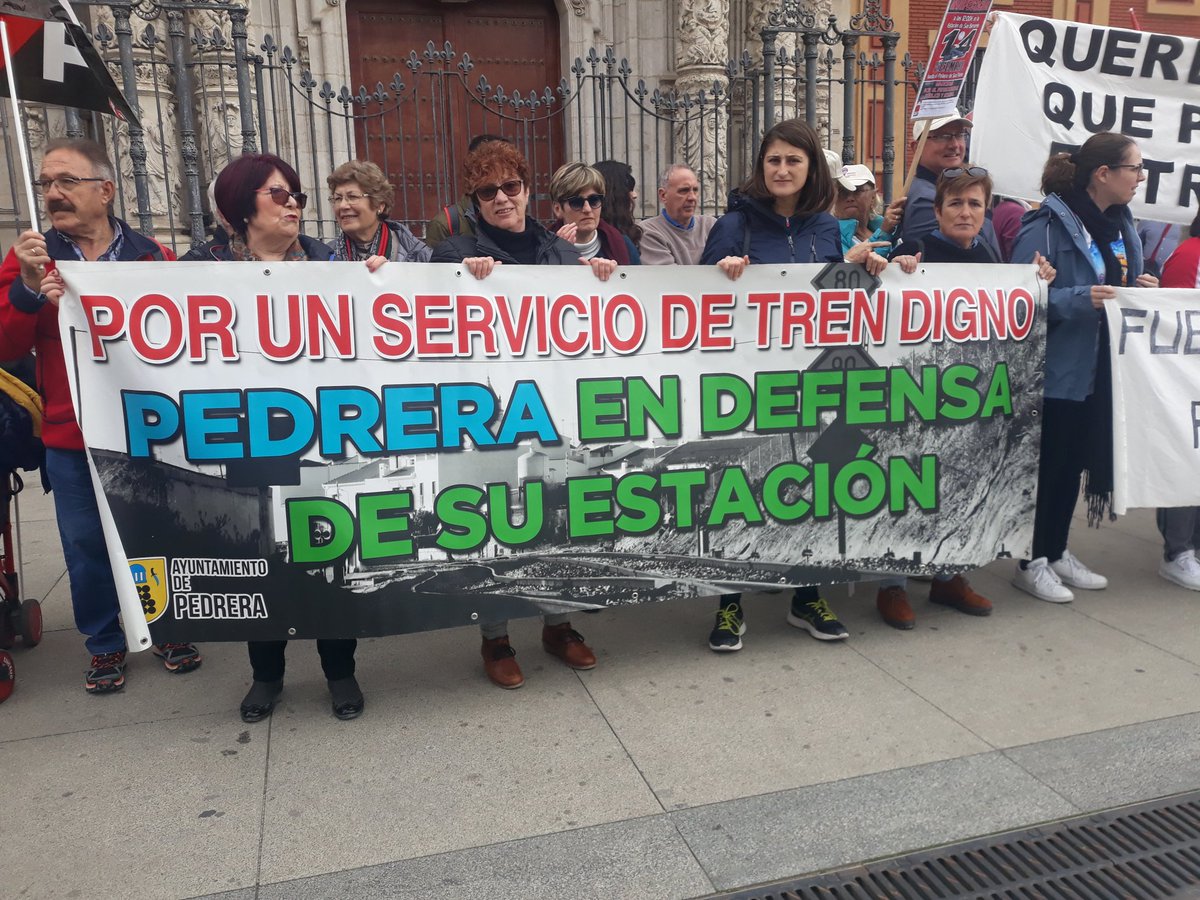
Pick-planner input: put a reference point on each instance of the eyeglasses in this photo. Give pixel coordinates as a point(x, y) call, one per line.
point(949, 136)
point(510, 188)
point(281, 195)
point(348, 197)
point(595, 201)
point(1138, 168)
point(65, 183)
point(973, 171)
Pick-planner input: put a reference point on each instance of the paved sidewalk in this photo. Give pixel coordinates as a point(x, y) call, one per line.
point(665, 772)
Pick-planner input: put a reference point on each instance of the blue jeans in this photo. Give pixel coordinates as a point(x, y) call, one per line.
point(93, 591)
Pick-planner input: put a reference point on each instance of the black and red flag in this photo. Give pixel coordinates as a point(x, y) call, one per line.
point(54, 62)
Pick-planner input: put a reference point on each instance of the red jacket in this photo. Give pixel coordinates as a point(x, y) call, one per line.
point(1182, 268)
point(36, 328)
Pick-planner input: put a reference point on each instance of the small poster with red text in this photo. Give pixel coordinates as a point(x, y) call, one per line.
point(950, 58)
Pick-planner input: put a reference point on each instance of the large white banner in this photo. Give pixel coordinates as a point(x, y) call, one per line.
point(1048, 85)
point(303, 449)
point(1156, 397)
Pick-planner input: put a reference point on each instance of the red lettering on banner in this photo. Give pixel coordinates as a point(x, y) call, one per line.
point(293, 343)
point(484, 325)
point(678, 338)
point(396, 340)
point(324, 324)
point(637, 317)
point(96, 306)
point(715, 315)
point(799, 309)
point(516, 331)
point(433, 319)
point(763, 304)
point(219, 329)
point(558, 312)
point(912, 303)
point(141, 314)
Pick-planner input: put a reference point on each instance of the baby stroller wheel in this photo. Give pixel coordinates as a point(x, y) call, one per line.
point(8, 675)
point(29, 622)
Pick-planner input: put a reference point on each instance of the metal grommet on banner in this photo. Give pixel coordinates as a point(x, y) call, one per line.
point(291, 632)
point(144, 641)
point(783, 273)
point(266, 271)
point(623, 274)
point(474, 617)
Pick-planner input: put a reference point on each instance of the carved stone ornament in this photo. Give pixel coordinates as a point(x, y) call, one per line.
point(703, 37)
point(579, 7)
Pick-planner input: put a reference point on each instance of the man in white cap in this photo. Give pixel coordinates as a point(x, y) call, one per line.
point(945, 148)
point(676, 236)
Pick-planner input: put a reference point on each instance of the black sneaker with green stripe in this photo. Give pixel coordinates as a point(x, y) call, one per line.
point(812, 613)
point(727, 634)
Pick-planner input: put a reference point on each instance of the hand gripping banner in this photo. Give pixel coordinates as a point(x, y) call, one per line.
point(304, 449)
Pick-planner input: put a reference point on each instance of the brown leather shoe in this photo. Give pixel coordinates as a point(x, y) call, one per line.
point(567, 644)
point(500, 663)
point(957, 592)
point(892, 603)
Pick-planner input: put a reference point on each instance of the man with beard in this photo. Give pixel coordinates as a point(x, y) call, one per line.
point(945, 148)
point(676, 236)
point(77, 184)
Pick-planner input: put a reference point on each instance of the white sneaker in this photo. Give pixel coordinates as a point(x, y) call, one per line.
point(1039, 579)
point(1184, 570)
point(1071, 571)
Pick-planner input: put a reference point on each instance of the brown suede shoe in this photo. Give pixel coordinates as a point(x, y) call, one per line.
point(957, 592)
point(567, 644)
point(892, 603)
point(500, 663)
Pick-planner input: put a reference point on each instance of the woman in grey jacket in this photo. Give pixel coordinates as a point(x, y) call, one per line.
point(1084, 228)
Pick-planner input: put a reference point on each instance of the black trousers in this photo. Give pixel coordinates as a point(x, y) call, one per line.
point(1064, 443)
point(337, 658)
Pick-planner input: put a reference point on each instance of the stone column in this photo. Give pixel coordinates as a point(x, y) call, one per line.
point(702, 91)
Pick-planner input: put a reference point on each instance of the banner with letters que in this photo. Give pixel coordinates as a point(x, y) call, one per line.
point(1155, 353)
point(1046, 86)
point(304, 449)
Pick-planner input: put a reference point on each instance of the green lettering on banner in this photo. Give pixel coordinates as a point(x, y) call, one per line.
point(463, 526)
point(601, 412)
point(712, 389)
point(999, 394)
point(865, 398)
point(500, 514)
point(375, 525)
point(774, 487)
point(589, 506)
point(310, 545)
point(905, 483)
point(640, 509)
point(958, 388)
point(908, 392)
point(646, 406)
point(775, 410)
point(733, 499)
point(684, 483)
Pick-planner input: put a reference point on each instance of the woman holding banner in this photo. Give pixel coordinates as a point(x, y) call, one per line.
point(1180, 525)
point(779, 215)
point(259, 196)
point(1085, 228)
point(497, 178)
point(361, 197)
point(960, 203)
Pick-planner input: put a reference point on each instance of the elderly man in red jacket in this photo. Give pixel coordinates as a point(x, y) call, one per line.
point(77, 183)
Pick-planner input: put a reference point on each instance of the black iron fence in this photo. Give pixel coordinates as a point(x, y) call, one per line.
point(208, 92)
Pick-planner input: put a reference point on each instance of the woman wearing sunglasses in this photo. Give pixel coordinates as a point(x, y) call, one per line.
point(1085, 228)
point(259, 196)
point(577, 191)
point(497, 177)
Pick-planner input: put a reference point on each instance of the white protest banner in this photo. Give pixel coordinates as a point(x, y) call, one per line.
point(1156, 397)
point(950, 59)
point(303, 449)
point(1047, 86)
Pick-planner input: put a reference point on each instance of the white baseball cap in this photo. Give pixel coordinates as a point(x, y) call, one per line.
point(854, 177)
point(833, 159)
point(940, 122)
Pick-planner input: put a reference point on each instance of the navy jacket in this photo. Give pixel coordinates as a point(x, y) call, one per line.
point(1073, 324)
point(772, 237)
point(919, 218)
point(551, 249)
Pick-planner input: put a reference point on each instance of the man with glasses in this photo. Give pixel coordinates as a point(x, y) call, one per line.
point(577, 192)
point(676, 236)
point(945, 148)
point(77, 184)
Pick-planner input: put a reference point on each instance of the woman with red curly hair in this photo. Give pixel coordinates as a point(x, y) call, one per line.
point(497, 178)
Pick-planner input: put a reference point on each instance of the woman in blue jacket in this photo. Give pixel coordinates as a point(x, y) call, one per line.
point(779, 215)
point(1084, 227)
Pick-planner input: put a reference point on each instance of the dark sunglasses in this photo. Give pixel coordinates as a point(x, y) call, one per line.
point(973, 171)
point(280, 196)
point(595, 201)
point(510, 188)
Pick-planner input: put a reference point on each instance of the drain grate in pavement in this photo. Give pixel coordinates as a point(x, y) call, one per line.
point(1144, 851)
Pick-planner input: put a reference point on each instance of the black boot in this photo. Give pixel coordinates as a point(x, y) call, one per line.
point(259, 701)
point(347, 698)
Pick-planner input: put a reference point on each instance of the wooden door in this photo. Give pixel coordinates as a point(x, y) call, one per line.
point(419, 135)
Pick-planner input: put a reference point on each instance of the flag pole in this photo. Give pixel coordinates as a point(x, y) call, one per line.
point(19, 125)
